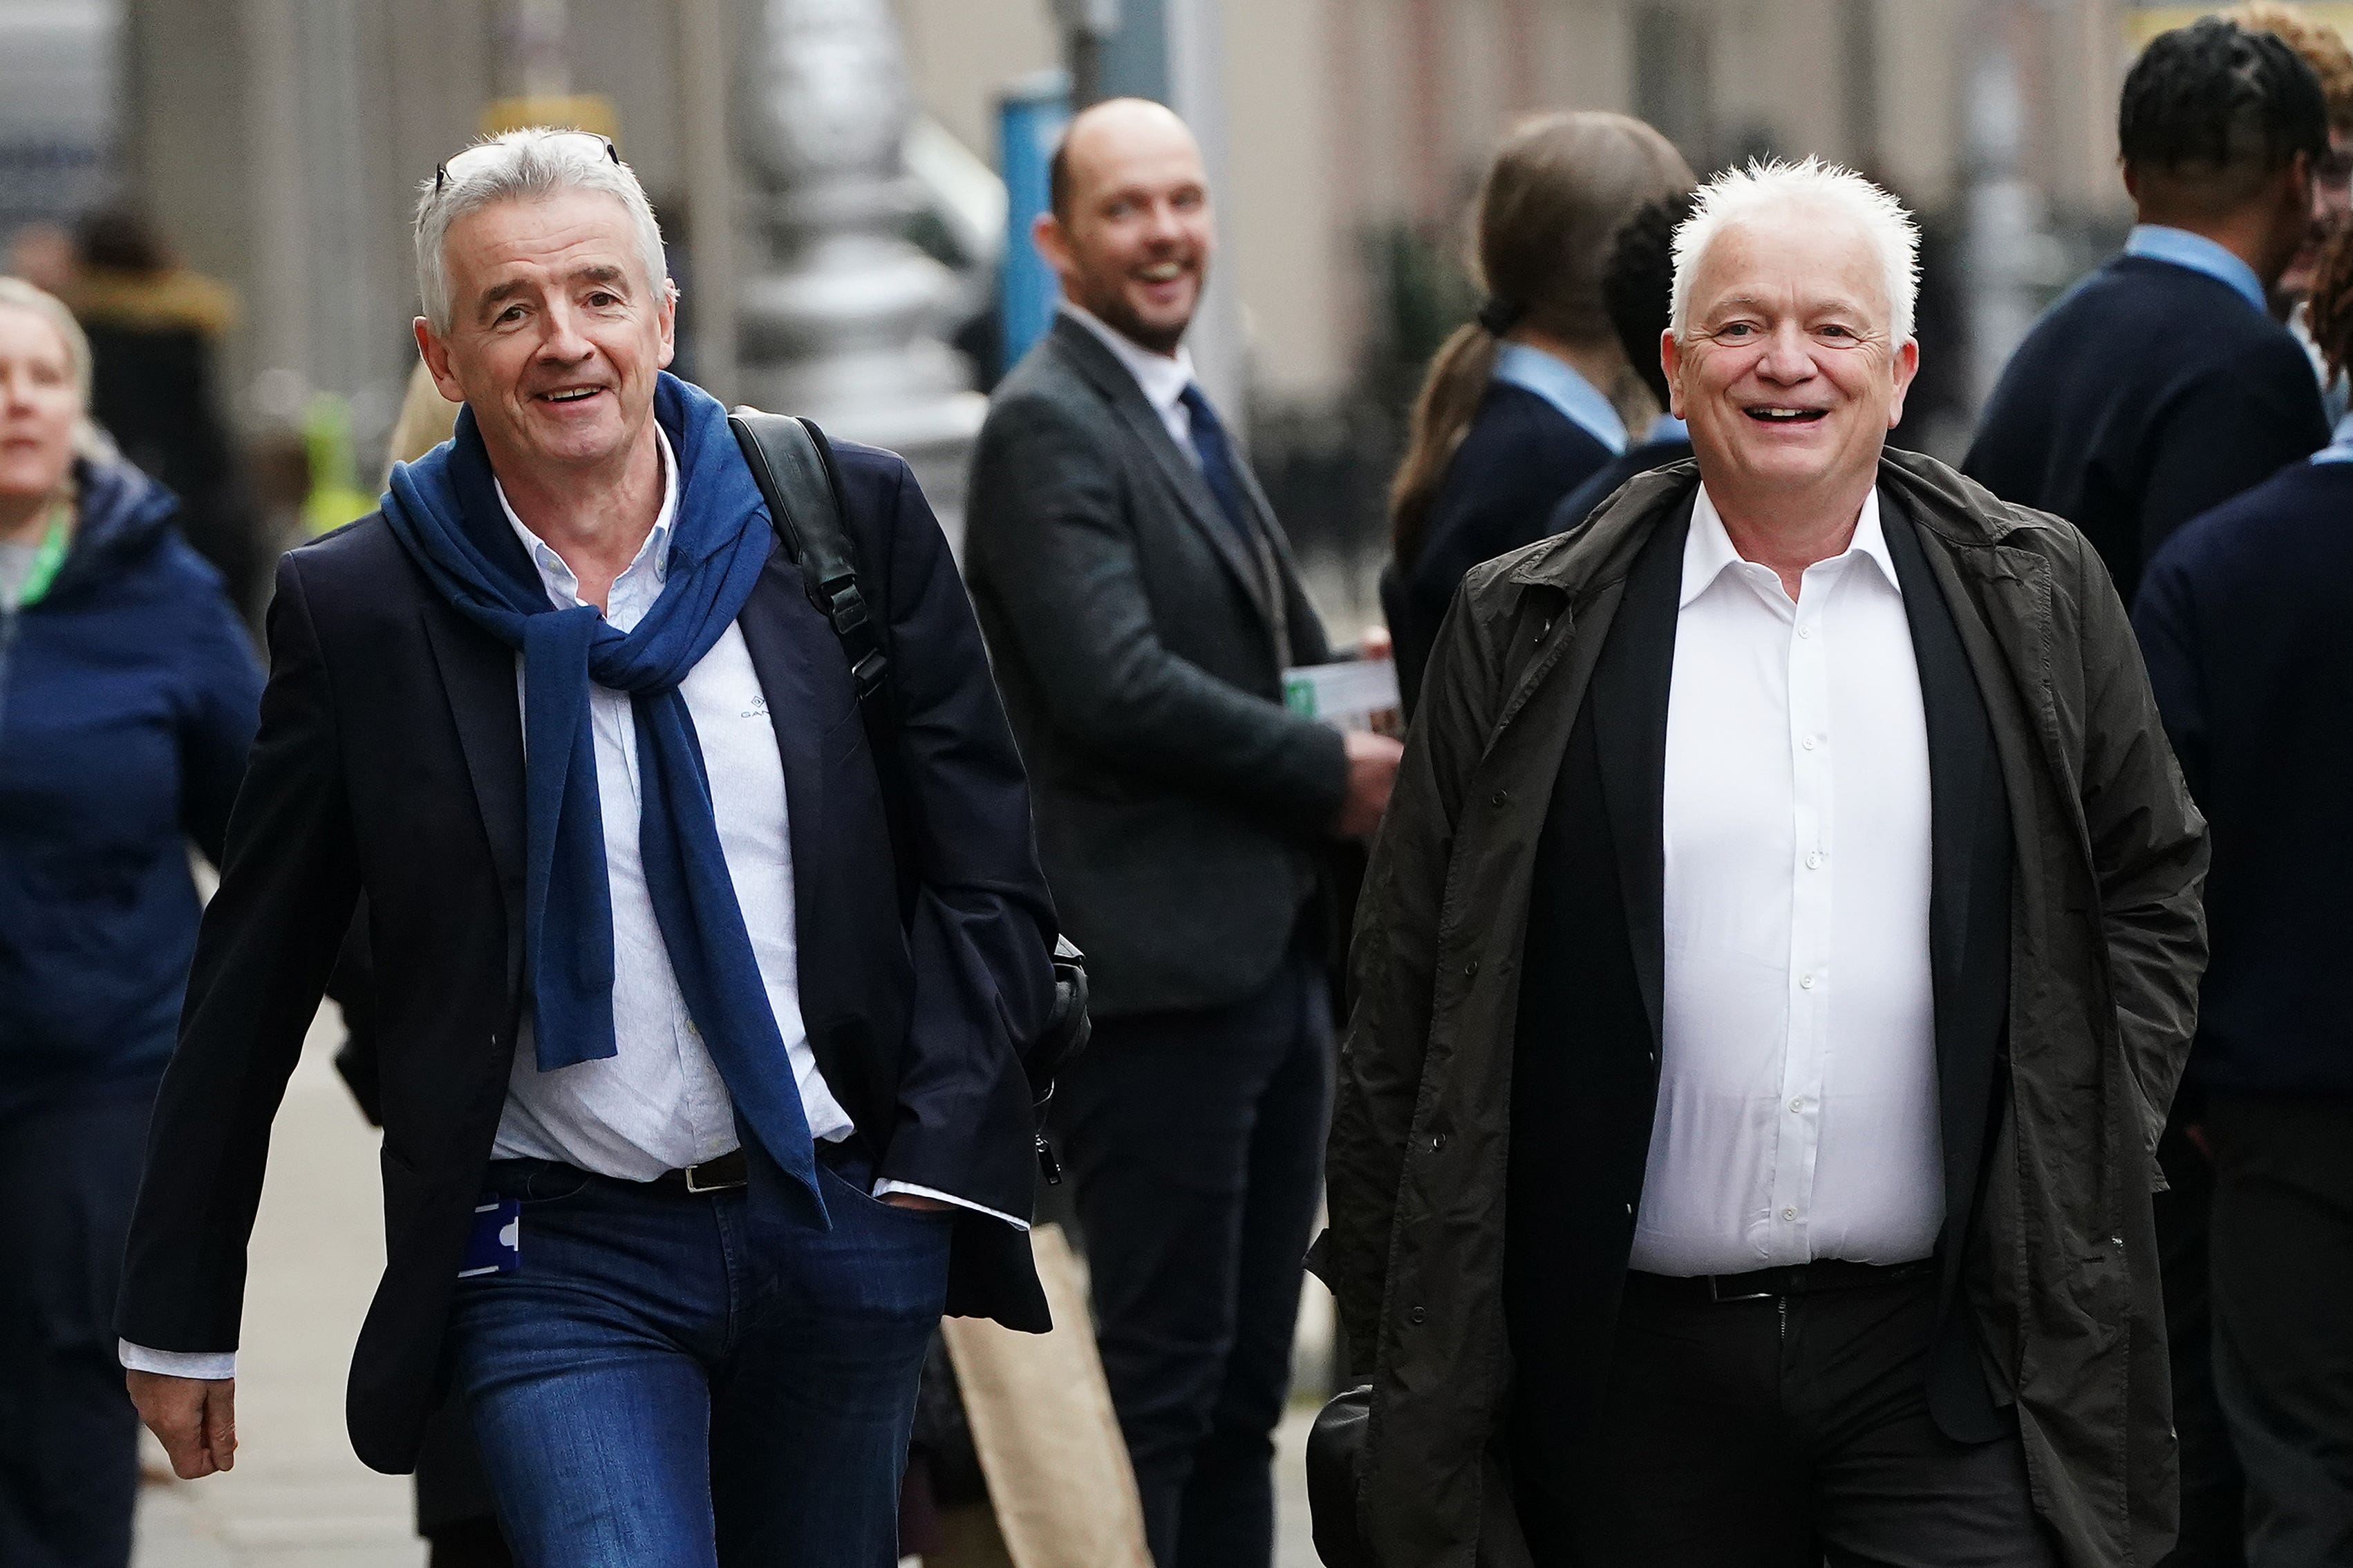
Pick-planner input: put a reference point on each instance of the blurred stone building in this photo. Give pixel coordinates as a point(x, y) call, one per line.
point(279, 140)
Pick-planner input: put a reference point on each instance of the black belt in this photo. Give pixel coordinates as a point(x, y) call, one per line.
point(1791, 1279)
point(723, 1175)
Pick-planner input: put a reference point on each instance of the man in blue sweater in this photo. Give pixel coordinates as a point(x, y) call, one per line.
point(2156, 389)
point(2160, 386)
point(2242, 618)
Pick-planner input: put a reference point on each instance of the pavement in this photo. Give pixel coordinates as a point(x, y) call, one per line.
point(298, 1498)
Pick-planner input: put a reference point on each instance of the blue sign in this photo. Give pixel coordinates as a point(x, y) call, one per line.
point(1030, 118)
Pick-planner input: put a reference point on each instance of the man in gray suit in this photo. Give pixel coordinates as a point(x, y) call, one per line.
point(1141, 604)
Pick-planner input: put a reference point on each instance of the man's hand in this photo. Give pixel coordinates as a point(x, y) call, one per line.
point(1376, 642)
point(914, 1201)
point(1372, 768)
point(193, 1420)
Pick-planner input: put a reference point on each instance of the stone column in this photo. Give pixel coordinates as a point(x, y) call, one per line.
point(839, 311)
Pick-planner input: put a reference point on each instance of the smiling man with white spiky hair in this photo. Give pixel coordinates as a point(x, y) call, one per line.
point(1773, 970)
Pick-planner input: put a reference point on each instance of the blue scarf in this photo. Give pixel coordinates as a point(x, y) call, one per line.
point(444, 510)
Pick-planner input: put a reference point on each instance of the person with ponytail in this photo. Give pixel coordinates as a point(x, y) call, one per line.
point(1529, 400)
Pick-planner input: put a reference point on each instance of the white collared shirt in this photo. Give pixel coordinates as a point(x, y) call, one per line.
point(1163, 378)
point(1797, 1108)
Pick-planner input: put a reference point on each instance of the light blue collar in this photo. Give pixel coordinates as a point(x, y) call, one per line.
point(1667, 427)
point(2195, 251)
point(1558, 383)
point(2340, 448)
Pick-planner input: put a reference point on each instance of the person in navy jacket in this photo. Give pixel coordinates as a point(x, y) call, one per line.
point(127, 694)
point(1523, 405)
point(702, 1087)
point(2246, 620)
point(2160, 386)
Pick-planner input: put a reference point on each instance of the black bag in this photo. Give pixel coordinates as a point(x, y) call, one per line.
point(1335, 1454)
point(794, 465)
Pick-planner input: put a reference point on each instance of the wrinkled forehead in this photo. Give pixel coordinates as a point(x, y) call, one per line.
point(1804, 256)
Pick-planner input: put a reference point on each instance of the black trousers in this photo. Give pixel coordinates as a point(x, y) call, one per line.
point(2282, 1296)
point(2211, 1482)
point(1787, 1432)
point(1196, 1144)
point(68, 1436)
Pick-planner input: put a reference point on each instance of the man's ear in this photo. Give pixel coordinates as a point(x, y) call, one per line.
point(1671, 359)
point(1053, 243)
point(435, 351)
point(1907, 365)
point(667, 317)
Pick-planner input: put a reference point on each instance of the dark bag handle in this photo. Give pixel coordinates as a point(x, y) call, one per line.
point(793, 464)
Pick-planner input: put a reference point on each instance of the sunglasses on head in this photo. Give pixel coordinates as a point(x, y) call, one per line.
point(472, 158)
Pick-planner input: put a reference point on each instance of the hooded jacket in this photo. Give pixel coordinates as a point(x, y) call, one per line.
point(128, 694)
point(2107, 940)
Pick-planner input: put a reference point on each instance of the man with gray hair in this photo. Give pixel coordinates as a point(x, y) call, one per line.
point(1774, 968)
point(699, 1017)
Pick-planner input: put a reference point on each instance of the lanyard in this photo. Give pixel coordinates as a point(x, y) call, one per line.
point(47, 557)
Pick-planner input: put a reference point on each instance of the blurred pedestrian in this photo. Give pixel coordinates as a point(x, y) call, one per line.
point(1141, 605)
point(1534, 396)
point(128, 694)
point(1637, 287)
point(2246, 617)
point(1734, 1165)
point(2160, 386)
point(155, 329)
point(2324, 50)
point(698, 1104)
point(2156, 389)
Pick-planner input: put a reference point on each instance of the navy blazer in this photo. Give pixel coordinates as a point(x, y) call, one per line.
point(390, 763)
point(2147, 394)
point(2246, 620)
point(1519, 457)
point(1586, 499)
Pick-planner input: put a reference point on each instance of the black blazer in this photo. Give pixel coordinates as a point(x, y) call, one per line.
point(2147, 394)
point(1519, 457)
point(390, 762)
point(1595, 972)
point(1182, 809)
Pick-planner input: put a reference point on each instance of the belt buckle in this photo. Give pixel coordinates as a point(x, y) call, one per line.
point(696, 1188)
point(1715, 1292)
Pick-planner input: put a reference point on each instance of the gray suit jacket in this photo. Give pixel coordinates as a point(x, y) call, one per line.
point(1181, 808)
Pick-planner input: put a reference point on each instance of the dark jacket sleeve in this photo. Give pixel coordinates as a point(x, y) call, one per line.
point(288, 881)
point(983, 923)
point(2149, 846)
point(1392, 967)
point(2232, 429)
point(216, 722)
point(1063, 563)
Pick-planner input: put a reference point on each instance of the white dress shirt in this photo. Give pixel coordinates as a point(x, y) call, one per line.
point(1797, 1109)
point(1162, 377)
point(659, 1102)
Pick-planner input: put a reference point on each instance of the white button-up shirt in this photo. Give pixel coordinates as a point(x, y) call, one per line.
point(1162, 378)
point(1797, 1109)
point(659, 1102)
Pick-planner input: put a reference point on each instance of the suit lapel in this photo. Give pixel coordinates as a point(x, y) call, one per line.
point(1104, 372)
point(1629, 691)
point(478, 677)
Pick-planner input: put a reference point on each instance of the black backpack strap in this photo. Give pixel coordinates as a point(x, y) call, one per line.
point(788, 458)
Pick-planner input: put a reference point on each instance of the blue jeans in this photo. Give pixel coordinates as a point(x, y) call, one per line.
point(675, 1381)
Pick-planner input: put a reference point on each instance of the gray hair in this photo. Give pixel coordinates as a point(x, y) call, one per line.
point(1777, 187)
point(529, 165)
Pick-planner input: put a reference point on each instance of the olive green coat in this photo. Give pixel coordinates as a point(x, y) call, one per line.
point(2107, 944)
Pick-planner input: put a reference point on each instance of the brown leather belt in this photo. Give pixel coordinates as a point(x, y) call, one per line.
point(1791, 1279)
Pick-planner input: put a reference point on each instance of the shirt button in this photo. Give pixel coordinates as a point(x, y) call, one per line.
point(1814, 861)
point(1807, 742)
point(1796, 1106)
point(1804, 631)
point(1805, 983)
point(1789, 1214)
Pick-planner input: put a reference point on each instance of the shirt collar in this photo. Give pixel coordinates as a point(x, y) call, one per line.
point(2159, 242)
point(1558, 382)
point(1162, 377)
point(1667, 427)
point(1708, 551)
point(562, 586)
point(2340, 444)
